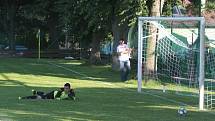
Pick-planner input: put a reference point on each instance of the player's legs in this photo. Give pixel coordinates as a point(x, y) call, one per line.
point(38, 93)
point(123, 70)
point(49, 95)
point(127, 69)
point(30, 97)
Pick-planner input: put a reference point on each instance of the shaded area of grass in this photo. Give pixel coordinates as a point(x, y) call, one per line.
point(44, 68)
point(93, 104)
point(102, 97)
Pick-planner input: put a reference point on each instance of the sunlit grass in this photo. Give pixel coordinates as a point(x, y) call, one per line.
point(101, 94)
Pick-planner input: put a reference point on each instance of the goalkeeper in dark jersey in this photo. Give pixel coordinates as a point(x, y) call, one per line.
point(65, 93)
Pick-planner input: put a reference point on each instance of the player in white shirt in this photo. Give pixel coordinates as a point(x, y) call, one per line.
point(123, 56)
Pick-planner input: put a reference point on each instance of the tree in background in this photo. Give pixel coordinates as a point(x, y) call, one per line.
point(47, 15)
point(89, 22)
point(209, 5)
point(8, 13)
point(96, 19)
point(124, 15)
point(155, 9)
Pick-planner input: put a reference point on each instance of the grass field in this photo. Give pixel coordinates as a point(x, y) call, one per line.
point(101, 95)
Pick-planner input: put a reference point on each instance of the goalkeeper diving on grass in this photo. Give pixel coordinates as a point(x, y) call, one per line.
point(65, 93)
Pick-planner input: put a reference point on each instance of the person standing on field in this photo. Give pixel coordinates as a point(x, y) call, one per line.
point(123, 55)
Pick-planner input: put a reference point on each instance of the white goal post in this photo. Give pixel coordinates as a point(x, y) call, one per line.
point(201, 72)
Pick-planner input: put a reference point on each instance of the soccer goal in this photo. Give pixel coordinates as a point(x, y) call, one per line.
point(172, 49)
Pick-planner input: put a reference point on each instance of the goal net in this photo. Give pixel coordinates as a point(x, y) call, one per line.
point(210, 75)
point(171, 49)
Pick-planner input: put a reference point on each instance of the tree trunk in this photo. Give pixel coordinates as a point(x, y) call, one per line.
point(150, 67)
point(11, 10)
point(118, 32)
point(116, 37)
point(95, 57)
point(155, 9)
point(202, 5)
point(53, 32)
point(161, 6)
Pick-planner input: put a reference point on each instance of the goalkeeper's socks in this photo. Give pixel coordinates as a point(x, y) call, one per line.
point(19, 98)
point(34, 92)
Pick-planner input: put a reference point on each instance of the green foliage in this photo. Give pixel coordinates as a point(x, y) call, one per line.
point(96, 15)
point(77, 18)
point(167, 8)
point(194, 7)
point(210, 5)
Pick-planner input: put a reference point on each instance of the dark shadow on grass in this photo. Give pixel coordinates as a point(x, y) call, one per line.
point(104, 104)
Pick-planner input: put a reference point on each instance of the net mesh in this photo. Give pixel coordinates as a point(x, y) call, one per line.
point(171, 54)
point(210, 76)
point(175, 60)
point(175, 57)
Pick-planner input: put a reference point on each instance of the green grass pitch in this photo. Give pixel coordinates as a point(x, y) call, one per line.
point(101, 95)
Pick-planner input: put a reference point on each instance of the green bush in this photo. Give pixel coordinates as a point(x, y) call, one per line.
point(210, 5)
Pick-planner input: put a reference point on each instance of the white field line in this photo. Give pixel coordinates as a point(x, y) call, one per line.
point(166, 99)
point(86, 76)
point(73, 71)
point(143, 92)
point(161, 97)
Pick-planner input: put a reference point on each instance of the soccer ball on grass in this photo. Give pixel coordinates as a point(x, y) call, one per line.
point(182, 111)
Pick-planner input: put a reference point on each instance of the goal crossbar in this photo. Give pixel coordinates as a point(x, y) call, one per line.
point(172, 18)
